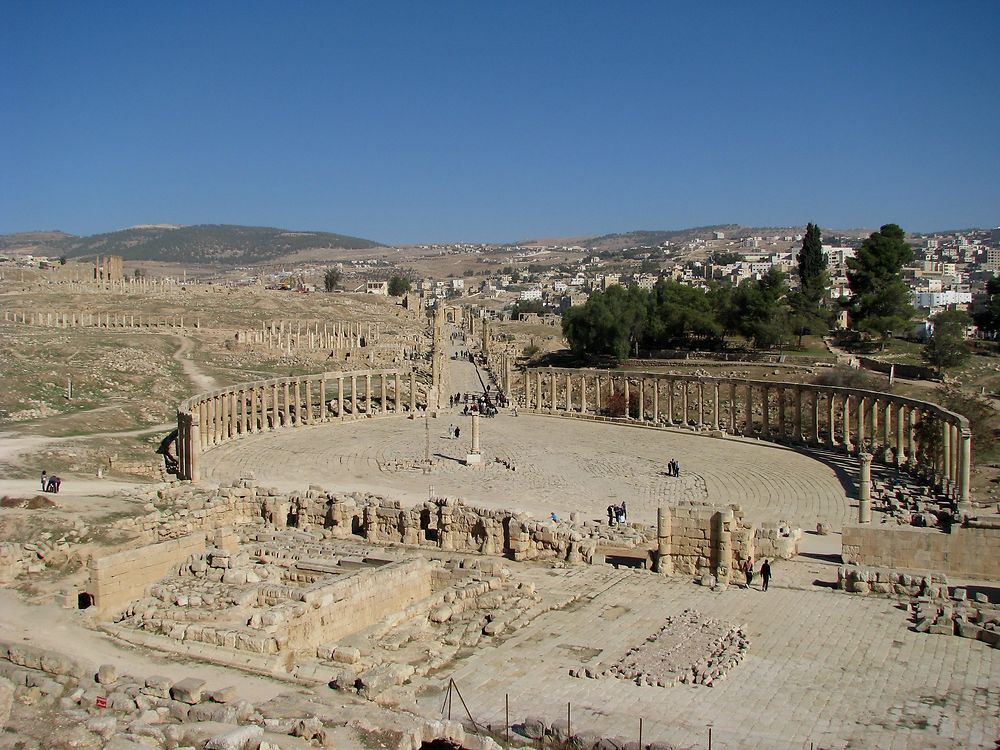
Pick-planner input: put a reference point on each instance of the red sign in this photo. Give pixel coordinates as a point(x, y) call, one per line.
point(102, 702)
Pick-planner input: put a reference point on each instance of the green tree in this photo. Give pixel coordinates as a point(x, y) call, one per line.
point(947, 348)
point(813, 271)
point(609, 323)
point(398, 286)
point(331, 279)
point(760, 312)
point(880, 300)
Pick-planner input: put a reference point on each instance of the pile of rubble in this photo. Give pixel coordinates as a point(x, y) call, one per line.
point(907, 504)
point(977, 619)
point(689, 649)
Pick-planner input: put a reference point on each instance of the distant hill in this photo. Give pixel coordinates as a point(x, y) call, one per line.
point(211, 244)
point(651, 237)
point(30, 243)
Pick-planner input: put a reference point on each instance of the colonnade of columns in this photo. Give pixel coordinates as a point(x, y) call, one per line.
point(61, 319)
point(213, 418)
point(919, 436)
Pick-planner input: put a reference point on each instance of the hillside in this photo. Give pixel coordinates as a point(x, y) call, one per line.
point(641, 237)
point(212, 244)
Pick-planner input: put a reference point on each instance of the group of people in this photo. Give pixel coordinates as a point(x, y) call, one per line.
point(617, 514)
point(50, 483)
point(673, 468)
point(483, 405)
point(454, 431)
point(765, 573)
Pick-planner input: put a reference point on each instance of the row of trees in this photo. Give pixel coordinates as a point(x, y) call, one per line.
point(763, 311)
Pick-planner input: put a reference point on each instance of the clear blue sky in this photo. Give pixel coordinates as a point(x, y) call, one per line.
point(446, 121)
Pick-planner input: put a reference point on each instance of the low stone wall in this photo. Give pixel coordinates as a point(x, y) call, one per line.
point(366, 597)
point(119, 579)
point(704, 536)
point(971, 551)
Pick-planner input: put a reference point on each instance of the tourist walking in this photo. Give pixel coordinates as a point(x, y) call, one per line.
point(765, 574)
point(44, 479)
point(748, 569)
point(611, 515)
point(457, 431)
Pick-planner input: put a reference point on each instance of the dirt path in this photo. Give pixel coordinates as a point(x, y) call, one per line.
point(51, 627)
point(199, 380)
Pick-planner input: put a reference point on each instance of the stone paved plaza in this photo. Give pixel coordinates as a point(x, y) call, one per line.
point(822, 667)
point(560, 465)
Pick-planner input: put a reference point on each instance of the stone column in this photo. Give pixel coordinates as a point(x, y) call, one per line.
point(368, 394)
point(194, 458)
point(625, 390)
point(475, 433)
point(274, 405)
point(748, 427)
point(213, 432)
point(964, 464)
point(233, 415)
point(831, 422)
point(670, 400)
point(945, 465)
point(911, 438)
point(815, 417)
point(552, 393)
point(287, 411)
point(701, 404)
point(684, 403)
point(664, 562)
point(398, 394)
point(715, 406)
point(862, 440)
point(656, 400)
point(583, 393)
point(354, 396)
point(298, 403)
point(875, 410)
point(642, 395)
point(384, 392)
point(846, 422)
point(413, 391)
point(538, 390)
point(887, 432)
point(900, 435)
point(597, 394)
point(865, 489)
point(724, 548)
point(569, 393)
point(322, 398)
point(203, 424)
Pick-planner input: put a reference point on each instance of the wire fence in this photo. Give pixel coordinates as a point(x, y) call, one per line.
point(513, 726)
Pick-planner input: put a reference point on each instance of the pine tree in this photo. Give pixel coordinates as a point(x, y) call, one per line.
point(813, 266)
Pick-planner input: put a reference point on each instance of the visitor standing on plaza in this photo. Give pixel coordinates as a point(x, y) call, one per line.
point(748, 569)
point(765, 574)
point(44, 476)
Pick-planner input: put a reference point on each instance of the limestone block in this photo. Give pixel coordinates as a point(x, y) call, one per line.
point(241, 738)
point(346, 655)
point(187, 690)
point(107, 674)
point(103, 726)
point(534, 727)
point(157, 686)
point(223, 695)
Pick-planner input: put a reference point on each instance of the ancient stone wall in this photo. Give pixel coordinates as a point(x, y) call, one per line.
point(117, 580)
point(705, 537)
point(364, 598)
point(972, 550)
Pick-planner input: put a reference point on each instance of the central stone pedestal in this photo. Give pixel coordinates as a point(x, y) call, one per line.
point(473, 458)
